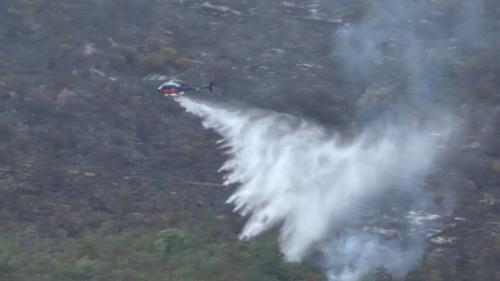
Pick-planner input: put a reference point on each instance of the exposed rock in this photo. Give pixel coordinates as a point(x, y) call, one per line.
point(274, 52)
point(112, 42)
point(433, 232)
point(386, 233)
point(136, 155)
point(65, 96)
point(97, 72)
point(494, 223)
point(317, 16)
point(223, 9)
point(419, 218)
point(375, 93)
point(89, 174)
point(470, 185)
point(13, 95)
point(441, 241)
point(288, 4)
point(475, 145)
point(251, 78)
point(309, 65)
point(489, 199)
point(89, 49)
point(156, 77)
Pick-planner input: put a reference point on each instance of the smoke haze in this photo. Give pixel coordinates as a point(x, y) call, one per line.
point(356, 204)
point(294, 175)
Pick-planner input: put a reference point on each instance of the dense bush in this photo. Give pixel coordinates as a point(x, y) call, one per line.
point(170, 254)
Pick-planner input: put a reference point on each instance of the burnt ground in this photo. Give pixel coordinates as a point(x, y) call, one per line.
point(86, 141)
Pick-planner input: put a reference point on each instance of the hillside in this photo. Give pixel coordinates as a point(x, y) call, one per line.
point(95, 164)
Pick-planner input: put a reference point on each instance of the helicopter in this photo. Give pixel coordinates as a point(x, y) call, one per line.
point(176, 88)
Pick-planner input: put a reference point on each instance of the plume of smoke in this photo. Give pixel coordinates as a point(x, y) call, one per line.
point(335, 199)
point(414, 44)
point(294, 175)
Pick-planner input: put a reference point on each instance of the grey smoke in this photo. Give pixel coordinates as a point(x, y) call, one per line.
point(352, 204)
point(413, 44)
point(407, 49)
point(294, 175)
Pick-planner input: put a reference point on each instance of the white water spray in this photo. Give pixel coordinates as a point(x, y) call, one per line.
point(294, 175)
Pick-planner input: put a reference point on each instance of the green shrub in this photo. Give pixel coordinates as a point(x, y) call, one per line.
point(117, 61)
point(170, 254)
point(152, 62)
point(129, 54)
point(170, 239)
point(182, 62)
point(169, 53)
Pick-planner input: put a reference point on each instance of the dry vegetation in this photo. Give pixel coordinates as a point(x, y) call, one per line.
point(95, 168)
